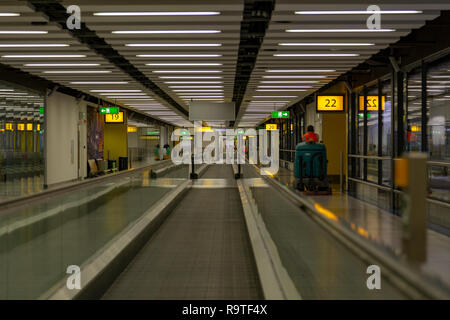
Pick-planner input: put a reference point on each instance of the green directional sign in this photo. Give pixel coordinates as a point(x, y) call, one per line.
point(41, 110)
point(361, 115)
point(109, 110)
point(153, 133)
point(280, 114)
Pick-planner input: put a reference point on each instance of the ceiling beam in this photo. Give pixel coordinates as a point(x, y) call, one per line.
point(255, 21)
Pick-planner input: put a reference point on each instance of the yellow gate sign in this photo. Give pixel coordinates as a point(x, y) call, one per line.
point(114, 118)
point(330, 103)
point(372, 103)
point(271, 126)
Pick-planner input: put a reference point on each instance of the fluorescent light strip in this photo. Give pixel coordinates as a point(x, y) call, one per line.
point(193, 77)
point(186, 71)
point(195, 87)
point(200, 90)
point(44, 56)
point(99, 82)
point(9, 14)
point(316, 55)
point(22, 32)
point(123, 94)
point(274, 96)
point(200, 93)
point(305, 81)
point(123, 97)
point(194, 97)
point(336, 12)
point(294, 77)
point(61, 64)
point(173, 44)
point(138, 99)
point(193, 82)
point(107, 90)
point(35, 45)
point(164, 31)
point(278, 90)
point(158, 13)
point(6, 90)
point(284, 87)
point(338, 30)
point(183, 64)
point(329, 44)
point(77, 71)
point(301, 70)
point(178, 55)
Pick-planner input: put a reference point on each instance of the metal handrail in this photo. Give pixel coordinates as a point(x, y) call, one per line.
point(369, 157)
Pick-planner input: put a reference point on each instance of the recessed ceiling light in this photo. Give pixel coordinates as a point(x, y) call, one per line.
point(77, 71)
point(316, 54)
point(22, 32)
point(61, 64)
point(25, 56)
point(159, 13)
point(183, 64)
point(99, 82)
point(173, 44)
point(32, 45)
point(339, 30)
point(302, 70)
point(325, 44)
point(359, 12)
point(294, 77)
point(164, 31)
point(178, 55)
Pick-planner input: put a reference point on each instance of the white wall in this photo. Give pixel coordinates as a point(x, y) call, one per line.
point(62, 124)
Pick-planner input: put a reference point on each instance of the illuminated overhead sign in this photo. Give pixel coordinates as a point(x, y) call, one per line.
point(9, 126)
point(109, 110)
point(41, 110)
point(372, 103)
point(153, 133)
point(280, 114)
point(114, 118)
point(333, 103)
point(132, 129)
point(21, 126)
point(29, 127)
point(271, 126)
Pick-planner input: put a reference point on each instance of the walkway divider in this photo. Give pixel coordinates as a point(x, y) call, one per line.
point(274, 278)
point(403, 276)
